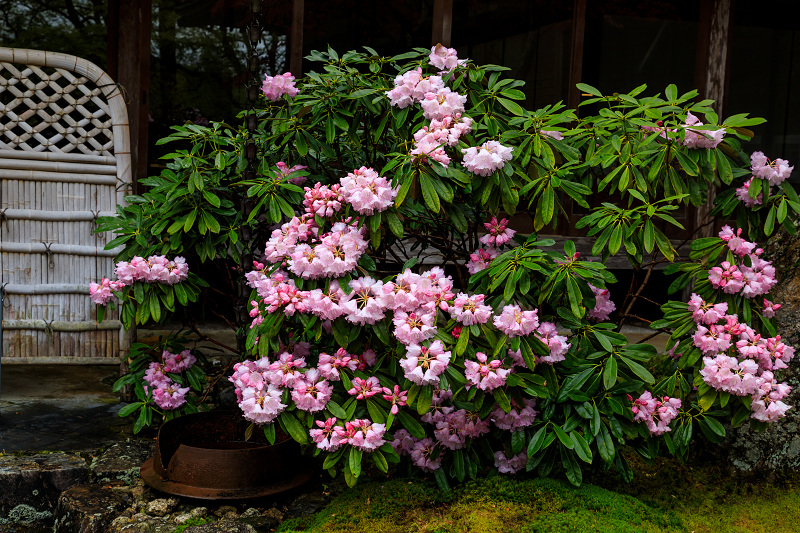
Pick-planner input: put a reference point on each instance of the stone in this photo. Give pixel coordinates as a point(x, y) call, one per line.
point(306, 505)
point(224, 510)
point(223, 526)
point(37, 480)
point(197, 512)
point(161, 506)
point(122, 460)
point(250, 512)
point(87, 509)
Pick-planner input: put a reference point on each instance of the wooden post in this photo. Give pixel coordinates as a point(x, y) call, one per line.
point(129, 65)
point(711, 74)
point(576, 53)
point(442, 22)
point(296, 54)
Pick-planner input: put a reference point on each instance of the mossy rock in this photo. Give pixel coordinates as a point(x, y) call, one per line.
point(497, 504)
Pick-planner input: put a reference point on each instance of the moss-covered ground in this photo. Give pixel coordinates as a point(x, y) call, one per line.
point(665, 497)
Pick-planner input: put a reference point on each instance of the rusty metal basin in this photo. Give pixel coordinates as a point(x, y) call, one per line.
point(204, 455)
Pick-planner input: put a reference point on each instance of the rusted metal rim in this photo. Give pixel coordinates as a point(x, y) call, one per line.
point(203, 455)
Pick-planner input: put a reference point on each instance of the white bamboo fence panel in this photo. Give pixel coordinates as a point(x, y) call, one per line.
point(64, 161)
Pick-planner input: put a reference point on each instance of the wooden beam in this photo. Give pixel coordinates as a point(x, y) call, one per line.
point(129, 65)
point(576, 53)
point(296, 52)
point(712, 72)
point(442, 23)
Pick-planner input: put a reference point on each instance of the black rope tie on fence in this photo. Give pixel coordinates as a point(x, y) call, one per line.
point(122, 90)
point(3, 214)
point(95, 216)
point(3, 293)
point(48, 327)
point(51, 264)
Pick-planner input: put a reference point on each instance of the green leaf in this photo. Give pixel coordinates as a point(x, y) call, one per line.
point(129, 409)
point(581, 447)
point(588, 89)
point(336, 410)
point(502, 400)
point(536, 442)
point(395, 226)
point(411, 425)
point(429, 193)
point(563, 437)
point(640, 371)
point(512, 106)
point(610, 373)
point(291, 425)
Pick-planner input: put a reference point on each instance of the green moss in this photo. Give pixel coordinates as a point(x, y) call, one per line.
point(189, 523)
point(493, 505)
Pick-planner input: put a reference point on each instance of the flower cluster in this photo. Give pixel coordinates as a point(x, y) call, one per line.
point(276, 86)
point(166, 393)
point(654, 413)
point(154, 269)
point(701, 138)
point(751, 280)
point(486, 159)
point(775, 172)
point(736, 359)
point(498, 234)
point(603, 305)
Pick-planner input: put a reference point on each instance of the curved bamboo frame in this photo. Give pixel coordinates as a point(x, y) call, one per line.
point(46, 163)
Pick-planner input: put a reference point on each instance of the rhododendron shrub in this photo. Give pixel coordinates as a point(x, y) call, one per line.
point(166, 380)
point(388, 311)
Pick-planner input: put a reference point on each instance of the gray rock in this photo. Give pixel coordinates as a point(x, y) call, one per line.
point(224, 511)
point(306, 505)
point(197, 512)
point(223, 526)
point(122, 461)
point(37, 480)
point(87, 509)
point(161, 506)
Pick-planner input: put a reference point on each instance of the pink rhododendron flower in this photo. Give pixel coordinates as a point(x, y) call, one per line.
point(422, 455)
point(706, 313)
point(443, 103)
point(412, 87)
point(557, 135)
point(362, 434)
point(261, 405)
point(481, 259)
point(444, 58)
point(743, 194)
point(367, 192)
point(276, 86)
point(329, 366)
point(364, 304)
point(176, 363)
point(701, 138)
point(103, 292)
point(413, 328)
point(156, 375)
point(403, 442)
point(769, 309)
point(515, 322)
point(557, 344)
point(170, 396)
point(499, 233)
point(397, 398)
point(486, 159)
point(726, 277)
point(728, 374)
point(654, 413)
point(776, 172)
point(321, 435)
point(285, 370)
point(510, 466)
point(603, 305)
point(365, 388)
point(517, 418)
point(486, 375)
point(767, 405)
point(322, 200)
point(711, 340)
point(286, 170)
point(469, 310)
point(311, 391)
point(423, 365)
